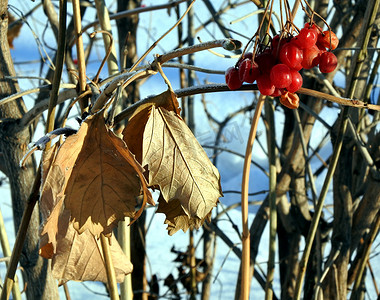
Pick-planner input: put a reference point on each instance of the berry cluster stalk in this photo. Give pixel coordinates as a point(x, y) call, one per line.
point(246, 259)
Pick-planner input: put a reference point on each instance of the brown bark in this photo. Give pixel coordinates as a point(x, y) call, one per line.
point(13, 145)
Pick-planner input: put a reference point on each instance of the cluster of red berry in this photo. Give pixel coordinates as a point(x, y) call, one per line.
point(276, 68)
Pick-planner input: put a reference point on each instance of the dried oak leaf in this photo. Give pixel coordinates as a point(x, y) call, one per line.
point(79, 256)
point(178, 165)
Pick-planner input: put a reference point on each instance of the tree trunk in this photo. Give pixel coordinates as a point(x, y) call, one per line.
point(13, 145)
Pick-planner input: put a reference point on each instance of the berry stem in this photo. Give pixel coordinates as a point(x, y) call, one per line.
point(246, 259)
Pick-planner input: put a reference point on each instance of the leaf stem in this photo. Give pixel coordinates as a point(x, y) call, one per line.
point(246, 260)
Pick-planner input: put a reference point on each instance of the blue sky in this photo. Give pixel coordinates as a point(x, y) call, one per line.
point(219, 104)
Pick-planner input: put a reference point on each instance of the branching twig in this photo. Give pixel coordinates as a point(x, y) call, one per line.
point(159, 39)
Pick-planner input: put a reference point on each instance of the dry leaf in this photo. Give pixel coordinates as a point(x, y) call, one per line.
point(51, 201)
point(79, 257)
point(176, 218)
point(167, 100)
point(134, 131)
point(13, 31)
point(106, 179)
point(179, 166)
point(56, 169)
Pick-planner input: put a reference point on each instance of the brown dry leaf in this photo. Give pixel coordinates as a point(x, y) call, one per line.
point(176, 218)
point(51, 183)
point(51, 201)
point(106, 179)
point(56, 169)
point(14, 31)
point(134, 131)
point(79, 257)
point(167, 100)
point(179, 166)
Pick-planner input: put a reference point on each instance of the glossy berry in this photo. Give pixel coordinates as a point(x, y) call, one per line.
point(264, 84)
point(314, 27)
point(291, 55)
point(306, 38)
point(277, 92)
point(324, 40)
point(248, 55)
point(296, 81)
point(248, 71)
point(265, 61)
point(290, 100)
point(277, 44)
point(327, 62)
point(232, 78)
point(281, 76)
point(310, 57)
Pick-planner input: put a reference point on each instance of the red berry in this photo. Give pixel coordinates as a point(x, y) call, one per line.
point(314, 27)
point(290, 100)
point(291, 55)
point(264, 84)
point(324, 39)
point(280, 76)
point(248, 55)
point(327, 62)
point(232, 78)
point(277, 92)
point(296, 81)
point(276, 44)
point(265, 61)
point(248, 71)
point(310, 57)
point(306, 38)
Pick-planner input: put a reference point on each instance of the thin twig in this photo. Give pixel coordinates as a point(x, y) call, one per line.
point(80, 51)
point(365, 256)
point(58, 67)
point(20, 238)
point(105, 25)
point(159, 39)
point(135, 11)
point(43, 105)
point(246, 261)
point(39, 89)
point(372, 9)
point(110, 270)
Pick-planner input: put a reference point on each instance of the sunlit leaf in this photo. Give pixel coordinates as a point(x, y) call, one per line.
point(179, 166)
point(80, 257)
point(106, 180)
